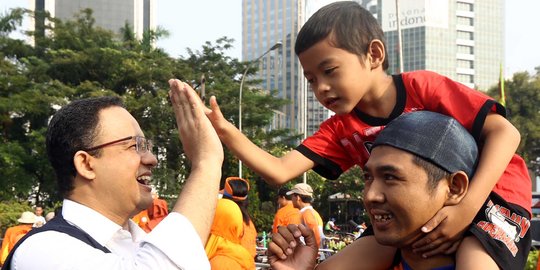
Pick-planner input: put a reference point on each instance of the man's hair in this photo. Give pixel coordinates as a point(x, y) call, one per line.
point(434, 173)
point(282, 192)
point(74, 127)
point(305, 198)
point(350, 26)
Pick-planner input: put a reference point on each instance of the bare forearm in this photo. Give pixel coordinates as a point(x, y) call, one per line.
point(275, 170)
point(500, 144)
point(197, 201)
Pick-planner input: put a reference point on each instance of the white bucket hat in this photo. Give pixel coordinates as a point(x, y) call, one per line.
point(27, 218)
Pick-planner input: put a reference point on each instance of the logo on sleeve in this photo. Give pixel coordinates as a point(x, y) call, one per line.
point(504, 225)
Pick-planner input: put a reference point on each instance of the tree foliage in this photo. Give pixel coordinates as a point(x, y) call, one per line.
point(75, 59)
point(523, 107)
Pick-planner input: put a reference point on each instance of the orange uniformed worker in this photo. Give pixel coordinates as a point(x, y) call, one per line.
point(149, 218)
point(224, 248)
point(249, 239)
point(15, 233)
point(237, 189)
point(287, 213)
point(157, 211)
point(142, 220)
point(302, 196)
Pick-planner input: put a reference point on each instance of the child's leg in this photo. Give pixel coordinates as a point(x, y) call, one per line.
point(472, 255)
point(363, 254)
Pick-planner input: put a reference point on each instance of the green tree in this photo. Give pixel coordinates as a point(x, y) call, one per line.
point(522, 103)
point(74, 59)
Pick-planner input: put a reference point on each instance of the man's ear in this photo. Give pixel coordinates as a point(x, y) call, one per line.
point(84, 164)
point(458, 187)
point(376, 53)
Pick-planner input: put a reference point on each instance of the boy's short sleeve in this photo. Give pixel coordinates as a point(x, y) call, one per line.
point(334, 147)
point(438, 93)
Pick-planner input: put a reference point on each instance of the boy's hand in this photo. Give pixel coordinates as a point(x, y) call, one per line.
point(286, 251)
point(216, 117)
point(444, 231)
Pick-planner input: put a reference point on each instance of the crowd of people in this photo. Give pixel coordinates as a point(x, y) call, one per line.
point(444, 188)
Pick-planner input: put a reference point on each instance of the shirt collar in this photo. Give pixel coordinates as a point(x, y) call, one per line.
point(89, 220)
point(306, 208)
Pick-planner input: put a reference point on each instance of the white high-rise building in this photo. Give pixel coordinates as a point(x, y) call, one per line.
point(109, 14)
point(263, 24)
point(462, 39)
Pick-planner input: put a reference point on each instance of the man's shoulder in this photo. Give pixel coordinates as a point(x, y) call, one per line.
point(49, 242)
point(310, 214)
point(46, 249)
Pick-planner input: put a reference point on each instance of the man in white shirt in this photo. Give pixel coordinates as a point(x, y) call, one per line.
point(104, 166)
point(40, 220)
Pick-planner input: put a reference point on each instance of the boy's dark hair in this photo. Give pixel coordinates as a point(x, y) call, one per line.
point(351, 27)
point(74, 127)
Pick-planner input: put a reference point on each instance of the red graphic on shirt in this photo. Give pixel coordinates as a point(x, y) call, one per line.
point(358, 148)
point(505, 226)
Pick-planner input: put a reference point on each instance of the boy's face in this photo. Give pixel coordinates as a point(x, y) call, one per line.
point(397, 197)
point(339, 79)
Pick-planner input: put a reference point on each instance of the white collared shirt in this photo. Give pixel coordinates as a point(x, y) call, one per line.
point(173, 244)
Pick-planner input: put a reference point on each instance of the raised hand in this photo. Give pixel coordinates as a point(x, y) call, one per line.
point(203, 148)
point(198, 137)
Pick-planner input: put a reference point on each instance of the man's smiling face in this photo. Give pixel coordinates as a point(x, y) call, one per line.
point(397, 196)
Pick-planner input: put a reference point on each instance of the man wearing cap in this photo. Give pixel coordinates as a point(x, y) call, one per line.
point(13, 234)
point(302, 196)
point(419, 163)
point(287, 213)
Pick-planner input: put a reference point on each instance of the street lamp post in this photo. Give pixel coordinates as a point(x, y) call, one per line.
point(276, 46)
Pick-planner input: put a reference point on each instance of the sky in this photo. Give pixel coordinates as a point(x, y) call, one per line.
point(193, 22)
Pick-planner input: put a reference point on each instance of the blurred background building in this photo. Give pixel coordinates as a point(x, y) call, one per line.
point(109, 14)
point(263, 24)
point(462, 39)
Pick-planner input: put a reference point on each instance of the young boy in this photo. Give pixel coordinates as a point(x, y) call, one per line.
point(342, 51)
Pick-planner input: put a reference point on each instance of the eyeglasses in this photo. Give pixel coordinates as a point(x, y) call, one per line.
point(142, 145)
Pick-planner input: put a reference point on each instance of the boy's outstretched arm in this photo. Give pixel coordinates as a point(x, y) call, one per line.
point(500, 140)
point(275, 170)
